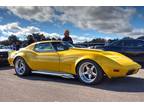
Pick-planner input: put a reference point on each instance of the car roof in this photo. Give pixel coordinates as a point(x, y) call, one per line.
point(131, 40)
point(128, 40)
point(33, 44)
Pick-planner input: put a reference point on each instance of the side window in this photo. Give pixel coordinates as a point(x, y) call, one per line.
point(117, 43)
point(44, 47)
point(139, 43)
point(129, 44)
point(59, 46)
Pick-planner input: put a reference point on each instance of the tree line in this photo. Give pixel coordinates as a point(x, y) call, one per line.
point(37, 37)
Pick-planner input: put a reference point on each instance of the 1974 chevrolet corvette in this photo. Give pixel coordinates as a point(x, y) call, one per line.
point(61, 58)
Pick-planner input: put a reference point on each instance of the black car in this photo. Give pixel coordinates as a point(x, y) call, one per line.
point(4, 55)
point(133, 48)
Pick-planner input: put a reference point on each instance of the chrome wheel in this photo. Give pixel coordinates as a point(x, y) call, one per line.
point(88, 72)
point(20, 67)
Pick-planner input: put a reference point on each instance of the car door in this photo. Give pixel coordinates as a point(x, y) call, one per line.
point(66, 57)
point(135, 50)
point(139, 47)
point(131, 47)
point(45, 58)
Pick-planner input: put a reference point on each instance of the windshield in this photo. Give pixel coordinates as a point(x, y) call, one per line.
point(115, 43)
point(68, 44)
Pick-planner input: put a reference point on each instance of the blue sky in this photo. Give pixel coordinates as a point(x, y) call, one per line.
point(84, 23)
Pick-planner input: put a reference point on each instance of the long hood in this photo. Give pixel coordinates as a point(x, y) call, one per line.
point(117, 57)
point(95, 51)
point(87, 49)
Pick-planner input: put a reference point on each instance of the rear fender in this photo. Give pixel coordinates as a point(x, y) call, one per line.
point(20, 54)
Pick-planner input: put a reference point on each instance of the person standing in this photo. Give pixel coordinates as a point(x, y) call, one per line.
point(30, 39)
point(67, 38)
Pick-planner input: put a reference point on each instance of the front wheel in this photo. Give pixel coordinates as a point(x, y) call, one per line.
point(21, 67)
point(89, 72)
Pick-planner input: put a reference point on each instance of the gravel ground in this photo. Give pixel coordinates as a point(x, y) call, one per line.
point(51, 88)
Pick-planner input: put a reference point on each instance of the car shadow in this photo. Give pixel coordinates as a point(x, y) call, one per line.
point(128, 84)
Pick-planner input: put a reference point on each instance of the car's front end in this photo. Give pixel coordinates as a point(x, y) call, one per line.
point(117, 65)
point(4, 57)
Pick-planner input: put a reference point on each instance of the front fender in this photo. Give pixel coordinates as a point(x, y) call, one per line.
point(21, 54)
point(84, 58)
point(105, 63)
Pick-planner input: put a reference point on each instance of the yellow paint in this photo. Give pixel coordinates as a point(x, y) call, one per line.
point(66, 61)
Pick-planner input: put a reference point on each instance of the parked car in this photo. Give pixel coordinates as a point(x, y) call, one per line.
point(4, 51)
point(133, 48)
point(61, 58)
point(96, 47)
point(80, 46)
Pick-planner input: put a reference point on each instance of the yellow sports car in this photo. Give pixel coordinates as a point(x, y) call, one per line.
point(61, 58)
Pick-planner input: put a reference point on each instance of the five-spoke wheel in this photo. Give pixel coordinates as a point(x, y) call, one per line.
point(21, 67)
point(89, 72)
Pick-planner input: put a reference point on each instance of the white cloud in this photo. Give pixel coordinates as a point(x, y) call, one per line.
point(33, 12)
point(14, 28)
point(81, 38)
point(108, 20)
point(135, 33)
point(75, 38)
point(3, 38)
point(101, 19)
point(21, 32)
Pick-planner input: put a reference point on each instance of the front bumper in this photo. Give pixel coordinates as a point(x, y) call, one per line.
point(123, 71)
point(3, 61)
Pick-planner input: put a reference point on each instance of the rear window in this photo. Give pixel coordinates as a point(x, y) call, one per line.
point(133, 43)
point(117, 43)
point(44, 47)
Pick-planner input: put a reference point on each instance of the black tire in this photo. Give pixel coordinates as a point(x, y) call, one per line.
point(26, 71)
point(100, 73)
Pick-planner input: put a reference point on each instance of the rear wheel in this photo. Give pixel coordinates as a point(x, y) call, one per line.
point(21, 68)
point(89, 72)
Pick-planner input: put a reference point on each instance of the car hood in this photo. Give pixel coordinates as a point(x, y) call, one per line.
point(87, 49)
point(94, 51)
point(98, 51)
point(117, 57)
point(107, 53)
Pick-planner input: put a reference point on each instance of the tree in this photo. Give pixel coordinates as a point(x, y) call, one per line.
point(13, 38)
point(96, 40)
point(127, 38)
point(4, 42)
point(36, 36)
